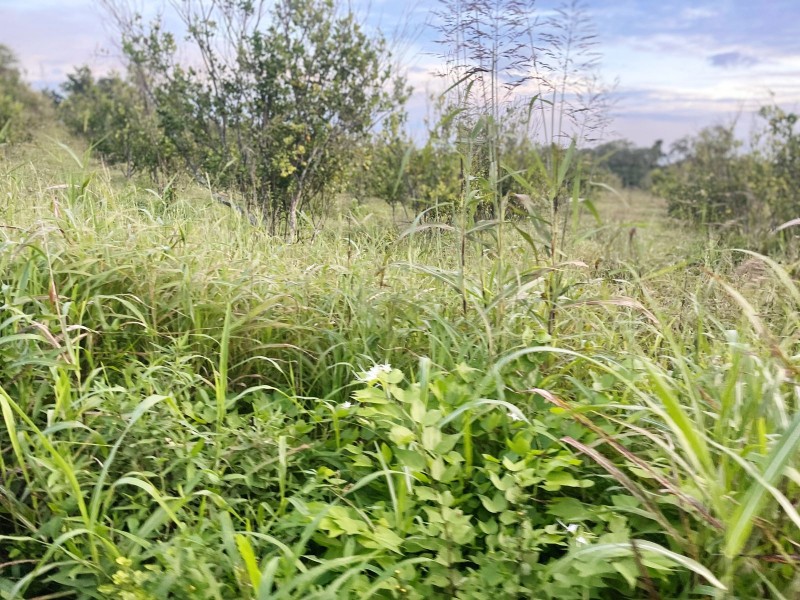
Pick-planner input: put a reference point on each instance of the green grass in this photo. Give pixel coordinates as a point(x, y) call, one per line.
point(190, 407)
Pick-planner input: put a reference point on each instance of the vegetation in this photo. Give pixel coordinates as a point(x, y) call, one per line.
point(522, 391)
point(632, 167)
point(283, 97)
point(713, 179)
point(19, 106)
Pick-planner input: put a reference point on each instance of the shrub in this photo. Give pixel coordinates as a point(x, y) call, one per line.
point(19, 105)
point(276, 112)
point(713, 180)
point(707, 183)
point(109, 112)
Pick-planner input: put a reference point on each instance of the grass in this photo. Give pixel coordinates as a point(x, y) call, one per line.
point(191, 408)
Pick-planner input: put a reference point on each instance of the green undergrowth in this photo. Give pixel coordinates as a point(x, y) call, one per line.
point(193, 409)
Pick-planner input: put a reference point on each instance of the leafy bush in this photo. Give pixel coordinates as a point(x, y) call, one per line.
point(775, 181)
point(19, 105)
point(713, 180)
point(110, 113)
point(707, 183)
point(276, 112)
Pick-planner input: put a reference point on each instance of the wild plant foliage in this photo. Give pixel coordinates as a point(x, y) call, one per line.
point(777, 179)
point(110, 112)
point(20, 107)
point(272, 105)
point(190, 408)
point(707, 181)
point(716, 179)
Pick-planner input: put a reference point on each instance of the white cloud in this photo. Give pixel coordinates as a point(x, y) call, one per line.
point(50, 42)
point(697, 13)
point(663, 53)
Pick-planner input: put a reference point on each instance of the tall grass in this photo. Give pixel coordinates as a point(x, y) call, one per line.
point(191, 409)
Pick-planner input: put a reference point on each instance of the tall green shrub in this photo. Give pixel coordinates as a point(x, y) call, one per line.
point(19, 105)
point(707, 183)
point(283, 97)
point(776, 178)
point(110, 113)
point(713, 178)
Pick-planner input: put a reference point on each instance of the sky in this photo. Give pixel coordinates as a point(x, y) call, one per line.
point(673, 66)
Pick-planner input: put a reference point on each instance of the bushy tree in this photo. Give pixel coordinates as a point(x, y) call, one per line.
point(435, 177)
point(281, 100)
point(707, 180)
point(383, 165)
point(19, 105)
point(632, 165)
point(110, 113)
point(775, 179)
point(713, 178)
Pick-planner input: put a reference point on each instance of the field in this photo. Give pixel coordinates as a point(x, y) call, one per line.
point(386, 409)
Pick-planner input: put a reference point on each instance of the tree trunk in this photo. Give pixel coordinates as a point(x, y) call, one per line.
point(293, 216)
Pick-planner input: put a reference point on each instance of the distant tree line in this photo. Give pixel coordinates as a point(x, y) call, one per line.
point(632, 166)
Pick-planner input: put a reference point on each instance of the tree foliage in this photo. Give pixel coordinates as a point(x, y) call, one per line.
point(19, 104)
point(109, 111)
point(706, 181)
point(273, 107)
point(632, 165)
point(714, 178)
point(776, 177)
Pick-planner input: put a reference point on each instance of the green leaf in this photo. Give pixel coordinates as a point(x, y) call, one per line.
point(625, 550)
point(411, 459)
point(417, 411)
point(558, 479)
point(569, 509)
point(741, 523)
point(431, 437)
point(401, 435)
point(249, 558)
point(382, 537)
point(495, 505)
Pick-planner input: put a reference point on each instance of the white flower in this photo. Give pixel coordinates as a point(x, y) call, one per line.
point(374, 373)
point(515, 415)
point(347, 404)
point(571, 528)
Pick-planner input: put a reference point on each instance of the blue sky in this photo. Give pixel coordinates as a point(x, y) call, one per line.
point(680, 64)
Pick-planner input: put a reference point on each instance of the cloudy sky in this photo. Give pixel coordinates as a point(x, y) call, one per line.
point(680, 64)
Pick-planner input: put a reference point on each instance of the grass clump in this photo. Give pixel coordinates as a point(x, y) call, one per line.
point(194, 409)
